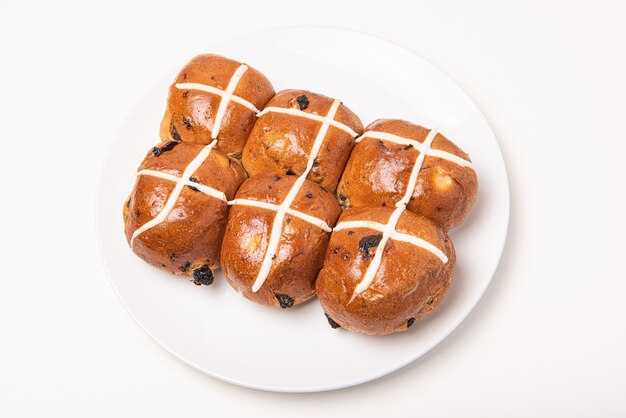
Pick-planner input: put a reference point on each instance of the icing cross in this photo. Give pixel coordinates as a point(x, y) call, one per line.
point(389, 229)
point(385, 136)
point(312, 116)
point(285, 206)
point(226, 96)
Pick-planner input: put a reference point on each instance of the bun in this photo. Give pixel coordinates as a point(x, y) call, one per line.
point(283, 136)
point(196, 111)
point(176, 213)
point(293, 264)
point(411, 274)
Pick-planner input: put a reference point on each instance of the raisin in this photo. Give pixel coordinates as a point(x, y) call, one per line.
point(185, 267)
point(303, 102)
point(173, 257)
point(274, 257)
point(169, 146)
point(332, 323)
point(194, 180)
point(342, 197)
point(187, 123)
point(336, 250)
point(290, 172)
point(368, 242)
point(410, 322)
point(350, 232)
point(185, 76)
point(174, 133)
point(316, 162)
point(285, 301)
point(195, 189)
point(128, 203)
point(430, 301)
point(203, 275)
point(287, 220)
point(185, 94)
point(137, 213)
point(309, 196)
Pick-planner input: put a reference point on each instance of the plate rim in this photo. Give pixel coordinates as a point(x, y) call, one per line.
point(359, 381)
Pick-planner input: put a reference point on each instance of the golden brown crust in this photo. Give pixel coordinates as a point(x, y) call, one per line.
point(191, 235)
point(378, 172)
point(410, 281)
point(281, 143)
point(190, 114)
point(302, 245)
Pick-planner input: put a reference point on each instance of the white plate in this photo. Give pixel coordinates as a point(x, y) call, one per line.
point(218, 332)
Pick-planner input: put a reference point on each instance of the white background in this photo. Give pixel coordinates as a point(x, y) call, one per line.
point(549, 336)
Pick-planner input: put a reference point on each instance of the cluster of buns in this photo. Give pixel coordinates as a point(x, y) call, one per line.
point(291, 196)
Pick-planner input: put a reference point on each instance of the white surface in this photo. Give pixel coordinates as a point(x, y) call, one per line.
point(547, 339)
point(213, 329)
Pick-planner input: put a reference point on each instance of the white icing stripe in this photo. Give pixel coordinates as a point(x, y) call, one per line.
point(360, 224)
point(385, 136)
point(310, 219)
point(312, 116)
point(214, 90)
point(269, 206)
point(201, 187)
point(173, 197)
point(450, 157)
point(255, 203)
point(389, 229)
point(410, 187)
point(272, 246)
point(372, 269)
point(159, 174)
point(418, 242)
point(228, 94)
point(399, 236)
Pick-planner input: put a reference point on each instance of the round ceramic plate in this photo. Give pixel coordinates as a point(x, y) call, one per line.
point(214, 329)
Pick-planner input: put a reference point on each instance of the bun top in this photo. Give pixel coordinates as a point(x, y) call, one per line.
point(282, 140)
point(214, 97)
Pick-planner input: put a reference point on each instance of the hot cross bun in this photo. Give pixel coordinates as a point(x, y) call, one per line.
point(379, 170)
point(276, 238)
point(214, 97)
point(384, 269)
point(282, 139)
point(177, 211)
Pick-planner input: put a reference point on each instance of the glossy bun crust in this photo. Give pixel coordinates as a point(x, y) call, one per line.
point(190, 113)
point(281, 143)
point(409, 283)
point(188, 241)
point(378, 172)
point(301, 248)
